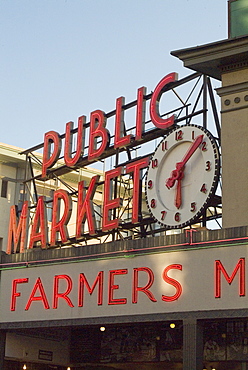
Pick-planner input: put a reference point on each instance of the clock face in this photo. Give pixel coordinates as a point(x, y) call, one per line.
point(182, 176)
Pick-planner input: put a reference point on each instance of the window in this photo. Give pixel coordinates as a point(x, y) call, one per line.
point(4, 188)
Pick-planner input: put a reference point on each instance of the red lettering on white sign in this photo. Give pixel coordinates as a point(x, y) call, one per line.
point(219, 268)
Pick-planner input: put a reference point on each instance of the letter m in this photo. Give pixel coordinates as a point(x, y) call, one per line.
point(219, 268)
point(84, 282)
point(17, 233)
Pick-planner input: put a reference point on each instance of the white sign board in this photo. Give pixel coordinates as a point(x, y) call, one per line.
point(180, 281)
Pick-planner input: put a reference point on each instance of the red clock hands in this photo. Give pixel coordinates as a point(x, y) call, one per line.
point(178, 198)
point(177, 174)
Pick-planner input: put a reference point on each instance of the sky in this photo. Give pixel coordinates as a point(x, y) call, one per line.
point(61, 59)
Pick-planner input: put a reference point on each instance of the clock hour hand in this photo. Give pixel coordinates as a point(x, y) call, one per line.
point(178, 198)
point(175, 174)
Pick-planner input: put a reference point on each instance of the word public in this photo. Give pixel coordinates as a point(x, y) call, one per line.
point(99, 136)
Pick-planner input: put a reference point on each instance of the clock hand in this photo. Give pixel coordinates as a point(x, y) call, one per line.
point(192, 149)
point(175, 174)
point(178, 198)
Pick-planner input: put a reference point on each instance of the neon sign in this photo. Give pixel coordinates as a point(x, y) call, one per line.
point(98, 146)
point(38, 292)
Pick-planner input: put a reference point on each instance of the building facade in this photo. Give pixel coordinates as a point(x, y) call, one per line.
point(121, 267)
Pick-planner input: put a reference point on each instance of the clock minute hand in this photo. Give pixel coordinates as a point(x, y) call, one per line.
point(192, 149)
point(175, 175)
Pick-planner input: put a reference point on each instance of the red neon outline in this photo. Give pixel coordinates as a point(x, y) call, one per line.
point(60, 225)
point(17, 232)
point(172, 282)
point(14, 293)
point(157, 120)
point(57, 295)
point(50, 159)
point(69, 160)
point(135, 167)
point(38, 285)
point(39, 232)
point(83, 281)
point(112, 287)
point(97, 130)
point(120, 139)
point(220, 268)
point(85, 209)
point(141, 113)
point(110, 204)
point(144, 289)
point(3, 265)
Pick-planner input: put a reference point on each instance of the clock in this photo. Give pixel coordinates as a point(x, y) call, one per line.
point(182, 176)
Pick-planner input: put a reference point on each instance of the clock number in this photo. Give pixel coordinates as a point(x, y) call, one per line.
point(153, 203)
point(208, 166)
point(193, 135)
point(193, 207)
point(164, 145)
point(150, 184)
point(163, 214)
point(204, 146)
point(204, 189)
point(177, 217)
point(154, 163)
point(179, 135)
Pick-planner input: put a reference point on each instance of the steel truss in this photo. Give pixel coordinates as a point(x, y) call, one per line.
point(198, 104)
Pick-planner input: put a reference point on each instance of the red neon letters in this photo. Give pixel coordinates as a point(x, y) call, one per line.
point(17, 234)
point(98, 142)
point(220, 268)
point(72, 293)
point(50, 157)
point(97, 130)
point(69, 160)
point(62, 210)
point(172, 282)
point(99, 135)
point(158, 121)
point(85, 208)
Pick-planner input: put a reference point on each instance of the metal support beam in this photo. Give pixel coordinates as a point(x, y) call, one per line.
point(2, 347)
point(192, 345)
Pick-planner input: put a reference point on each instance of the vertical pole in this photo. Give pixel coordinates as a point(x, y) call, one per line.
point(2, 347)
point(205, 109)
point(214, 108)
point(205, 101)
point(192, 345)
point(115, 190)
